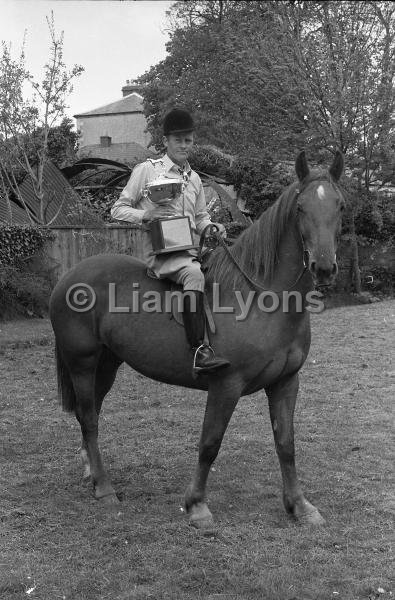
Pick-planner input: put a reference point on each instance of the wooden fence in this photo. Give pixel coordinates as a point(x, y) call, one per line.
point(73, 244)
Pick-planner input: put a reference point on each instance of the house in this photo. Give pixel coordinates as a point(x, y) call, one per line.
point(116, 131)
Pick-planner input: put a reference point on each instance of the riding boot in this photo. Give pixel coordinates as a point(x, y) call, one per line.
point(205, 360)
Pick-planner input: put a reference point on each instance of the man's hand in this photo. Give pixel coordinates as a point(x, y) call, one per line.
point(221, 229)
point(161, 210)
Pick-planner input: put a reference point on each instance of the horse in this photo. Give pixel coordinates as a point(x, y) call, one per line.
point(290, 249)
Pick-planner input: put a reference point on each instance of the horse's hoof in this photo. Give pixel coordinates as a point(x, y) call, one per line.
point(305, 513)
point(201, 518)
point(311, 517)
point(109, 500)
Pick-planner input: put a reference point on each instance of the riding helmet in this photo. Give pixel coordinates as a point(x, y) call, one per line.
point(178, 120)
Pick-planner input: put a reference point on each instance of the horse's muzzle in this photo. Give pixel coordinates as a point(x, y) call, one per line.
point(324, 272)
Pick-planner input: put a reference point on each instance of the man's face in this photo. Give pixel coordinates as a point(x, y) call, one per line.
point(178, 146)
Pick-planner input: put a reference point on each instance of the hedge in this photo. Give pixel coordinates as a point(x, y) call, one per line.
point(21, 242)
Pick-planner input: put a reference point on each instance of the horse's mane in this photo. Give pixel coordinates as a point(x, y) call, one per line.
point(256, 249)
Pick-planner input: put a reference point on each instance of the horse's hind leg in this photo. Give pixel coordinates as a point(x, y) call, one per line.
point(104, 378)
point(222, 398)
point(83, 375)
point(282, 399)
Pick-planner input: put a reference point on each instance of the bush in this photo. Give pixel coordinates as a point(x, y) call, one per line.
point(85, 213)
point(102, 202)
point(235, 228)
point(25, 278)
point(18, 242)
point(379, 279)
point(376, 217)
point(260, 182)
point(25, 287)
point(210, 160)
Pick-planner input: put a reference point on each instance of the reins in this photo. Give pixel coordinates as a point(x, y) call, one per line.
point(250, 280)
point(255, 284)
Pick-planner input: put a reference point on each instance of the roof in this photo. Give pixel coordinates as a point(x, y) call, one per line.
point(12, 213)
point(128, 104)
point(61, 201)
point(96, 164)
point(126, 152)
point(96, 174)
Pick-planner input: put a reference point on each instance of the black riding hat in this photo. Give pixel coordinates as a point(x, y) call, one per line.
point(178, 120)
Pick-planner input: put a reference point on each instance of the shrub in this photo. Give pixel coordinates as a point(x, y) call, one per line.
point(260, 182)
point(210, 160)
point(382, 280)
point(25, 287)
point(25, 277)
point(19, 242)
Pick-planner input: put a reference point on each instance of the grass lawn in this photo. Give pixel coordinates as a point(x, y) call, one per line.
point(56, 542)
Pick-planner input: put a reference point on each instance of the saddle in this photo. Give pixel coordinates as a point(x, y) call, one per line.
point(208, 242)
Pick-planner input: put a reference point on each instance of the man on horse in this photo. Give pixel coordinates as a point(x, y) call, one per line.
point(182, 267)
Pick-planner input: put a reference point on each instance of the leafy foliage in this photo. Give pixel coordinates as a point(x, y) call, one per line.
point(376, 218)
point(62, 143)
point(21, 242)
point(210, 160)
point(266, 79)
point(271, 77)
point(93, 209)
point(211, 71)
point(29, 113)
point(25, 278)
point(25, 289)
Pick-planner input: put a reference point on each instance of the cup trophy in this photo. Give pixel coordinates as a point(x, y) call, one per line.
point(169, 234)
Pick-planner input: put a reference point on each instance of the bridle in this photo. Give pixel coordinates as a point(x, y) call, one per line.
point(212, 230)
point(252, 281)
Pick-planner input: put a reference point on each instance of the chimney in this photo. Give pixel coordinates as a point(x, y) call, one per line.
point(105, 141)
point(132, 86)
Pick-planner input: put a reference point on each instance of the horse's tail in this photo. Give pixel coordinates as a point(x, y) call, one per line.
point(66, 391)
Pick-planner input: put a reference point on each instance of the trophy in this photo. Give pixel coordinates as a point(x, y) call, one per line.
point(168, 234)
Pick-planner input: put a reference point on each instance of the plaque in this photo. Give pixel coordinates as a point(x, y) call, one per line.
point(171, 235)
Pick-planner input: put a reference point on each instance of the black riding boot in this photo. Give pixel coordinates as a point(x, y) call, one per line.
point(205, 360)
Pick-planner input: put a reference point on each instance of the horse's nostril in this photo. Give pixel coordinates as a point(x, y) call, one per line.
point(312, 266)
point(335, 269)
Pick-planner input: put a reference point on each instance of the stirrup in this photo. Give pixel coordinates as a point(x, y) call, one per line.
point(194, 368)
point(214, 363)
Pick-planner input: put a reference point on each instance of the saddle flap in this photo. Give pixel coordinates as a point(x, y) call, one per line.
point(177, 314)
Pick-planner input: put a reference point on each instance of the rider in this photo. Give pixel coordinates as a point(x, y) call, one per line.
point(182, 267)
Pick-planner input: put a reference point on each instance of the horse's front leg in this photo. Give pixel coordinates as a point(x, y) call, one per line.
point(282, 398)
point(222, 399)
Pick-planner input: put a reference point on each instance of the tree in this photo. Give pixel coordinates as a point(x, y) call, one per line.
point(267, 78)
point(343, 55)
point(29, 134)
point(212, 69)
point(62, 143)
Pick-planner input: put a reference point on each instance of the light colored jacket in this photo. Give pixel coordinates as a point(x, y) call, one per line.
point(132, 205)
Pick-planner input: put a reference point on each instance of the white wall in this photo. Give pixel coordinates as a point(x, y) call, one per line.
point(121, 128)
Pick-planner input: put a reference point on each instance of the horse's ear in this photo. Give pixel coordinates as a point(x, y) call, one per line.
point(337, 166)
point(301, 166)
